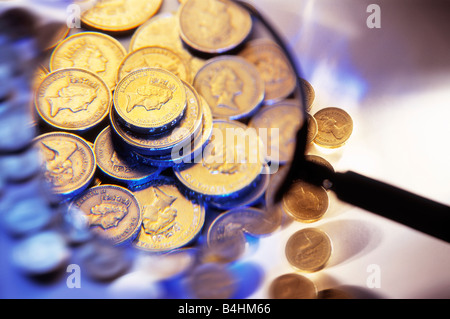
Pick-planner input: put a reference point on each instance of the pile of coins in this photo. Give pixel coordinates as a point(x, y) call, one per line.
point(131, 138)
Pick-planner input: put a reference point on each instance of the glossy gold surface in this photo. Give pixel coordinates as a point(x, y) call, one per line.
point(305, 202)
point(308, 250)
point(68, 162)
point(148, 144)
point(118, 165)
point(213, 26)
point(281, 122)
point(156, 57)
point(169, 219)
point(73, 99)
point(150, 100)
point(273, 66)
point(231, 85)
point(120, 15)
point(113, 212)
point(335, 127)
point(93, 51)
point(228, 165)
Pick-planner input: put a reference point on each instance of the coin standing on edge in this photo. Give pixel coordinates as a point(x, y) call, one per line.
point(69, 162)
point(292, 286)
point(308, 250)
point(213, 26)
point(150, 100)
point(169, 219)
point(73, 99)
point(231, 85)
point(113, 212)
point(94, 51)
point(334, 127)
point(120, 15)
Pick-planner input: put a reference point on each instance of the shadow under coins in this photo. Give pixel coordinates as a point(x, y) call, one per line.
point(351, 239)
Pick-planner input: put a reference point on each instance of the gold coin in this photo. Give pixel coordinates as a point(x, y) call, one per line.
point(157, 57)
point(308, 250)
point(150, 144)
point(277, 125)
point(150, 100)
point(230, 162)
point(160, 30)
point(118, 166)
point(213, 26)
point(312, 128)
point(93, 51)
point(273, 66)
point(309, 93)
point(185, 153)
point(305, 202)
point(120, 15)
point(334, 127)
point(68, 162)
point(231, 85)
point(73, 99)
point(113, 212)
point(170, 220)
point(292, 286)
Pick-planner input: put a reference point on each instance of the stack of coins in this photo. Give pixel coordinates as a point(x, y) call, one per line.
point(137, 140)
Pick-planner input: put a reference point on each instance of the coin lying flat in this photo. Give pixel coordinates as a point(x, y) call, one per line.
point(157, 57)
point(334, 127)
point(119, 15)
point(116, 165)
point(229, 163)
point(319, 160)
point(150, 100)
point(273, 66)
point(68, 162)
point(161, 144)
point(231, 85)
point(213, 26)
point(169, 219)
point(94, 51)
point(305, 202)
point(292, 286)
point(113, 212)
point(277, 126)
point(73, 99)
point(308, 249)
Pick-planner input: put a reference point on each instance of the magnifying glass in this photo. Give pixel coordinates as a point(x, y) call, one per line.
point(412, 210)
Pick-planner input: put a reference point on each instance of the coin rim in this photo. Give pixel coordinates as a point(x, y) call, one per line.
point(75, 129)
point(322, 265)
point(73, 192)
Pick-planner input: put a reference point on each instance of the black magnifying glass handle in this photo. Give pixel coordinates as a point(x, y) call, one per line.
point(422, 214)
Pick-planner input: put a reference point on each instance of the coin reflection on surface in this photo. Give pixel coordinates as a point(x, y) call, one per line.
point(292, 286)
